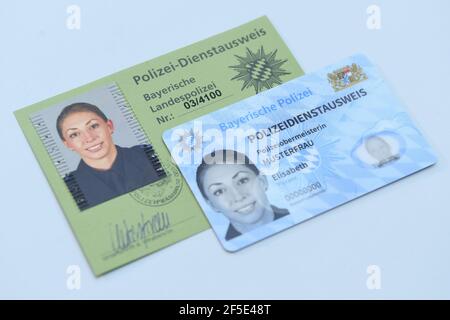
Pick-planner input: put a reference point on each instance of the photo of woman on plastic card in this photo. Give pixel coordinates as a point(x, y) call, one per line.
point(232, 185)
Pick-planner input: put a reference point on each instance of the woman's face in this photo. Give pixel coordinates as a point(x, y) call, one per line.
point(236, 191)
point(88, 134)
point(378, 148)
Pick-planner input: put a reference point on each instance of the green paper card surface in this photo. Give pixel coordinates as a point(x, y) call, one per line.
point(101, 149)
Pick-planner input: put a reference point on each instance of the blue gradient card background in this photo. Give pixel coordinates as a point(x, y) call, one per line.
point(366, 141)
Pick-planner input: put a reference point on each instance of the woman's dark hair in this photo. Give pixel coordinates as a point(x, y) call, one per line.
point(77, 107)
point(222, 157)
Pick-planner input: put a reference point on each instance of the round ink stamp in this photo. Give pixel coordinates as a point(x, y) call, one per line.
point(161, 192)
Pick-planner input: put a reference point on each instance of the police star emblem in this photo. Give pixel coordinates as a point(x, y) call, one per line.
point(190, 141)
point(346, 77)
point(259, 70)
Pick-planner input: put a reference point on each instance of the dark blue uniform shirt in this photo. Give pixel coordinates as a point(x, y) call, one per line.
point(133, 168)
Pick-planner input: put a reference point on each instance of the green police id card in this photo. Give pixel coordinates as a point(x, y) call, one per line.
point(101, 149)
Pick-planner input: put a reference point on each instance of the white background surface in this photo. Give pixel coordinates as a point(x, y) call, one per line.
point(404, 228)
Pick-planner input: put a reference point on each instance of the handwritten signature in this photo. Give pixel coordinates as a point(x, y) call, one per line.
point(124, 234)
